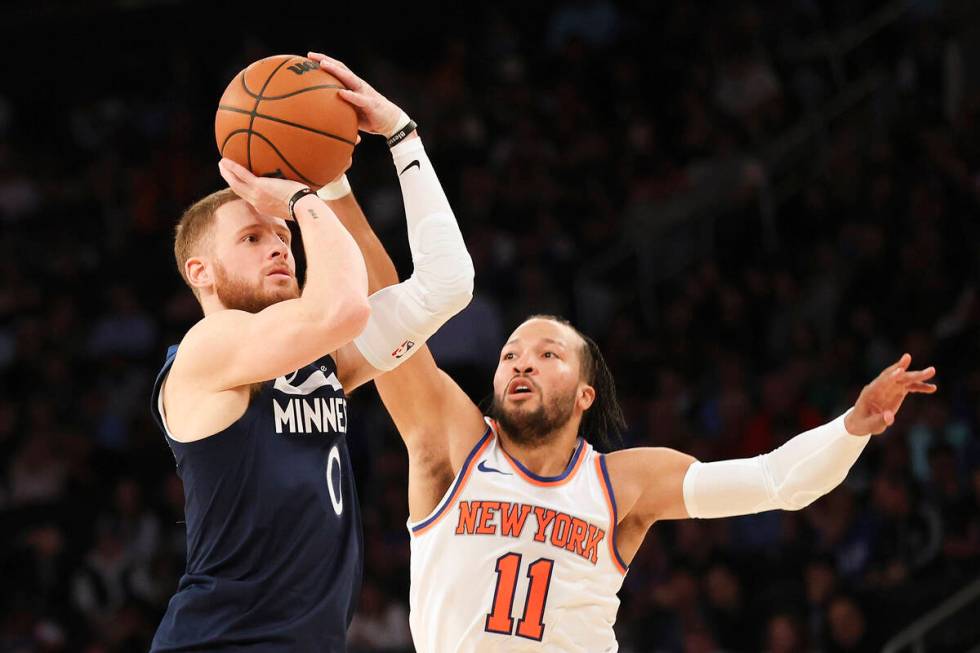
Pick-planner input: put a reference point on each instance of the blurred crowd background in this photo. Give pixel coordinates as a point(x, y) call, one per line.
point(753, 206)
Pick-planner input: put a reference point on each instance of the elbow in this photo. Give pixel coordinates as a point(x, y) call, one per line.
point(802, 498)
point(345, 318)
point(460, 293)
point(356, 316)
point(447, 294)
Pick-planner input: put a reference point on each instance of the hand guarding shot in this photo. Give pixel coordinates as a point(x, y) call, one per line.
point(375, 113)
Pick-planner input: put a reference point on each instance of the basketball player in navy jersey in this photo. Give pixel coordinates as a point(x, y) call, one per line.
point(521, 532)
point(253, 400)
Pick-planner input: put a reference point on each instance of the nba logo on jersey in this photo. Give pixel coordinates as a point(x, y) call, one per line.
point(513, 561)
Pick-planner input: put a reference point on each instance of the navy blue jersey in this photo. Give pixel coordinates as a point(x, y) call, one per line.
point(274, 550)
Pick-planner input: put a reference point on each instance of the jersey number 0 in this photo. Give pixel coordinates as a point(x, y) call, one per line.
point(530, 625)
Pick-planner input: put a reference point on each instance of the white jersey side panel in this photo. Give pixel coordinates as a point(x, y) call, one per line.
point(510, 561)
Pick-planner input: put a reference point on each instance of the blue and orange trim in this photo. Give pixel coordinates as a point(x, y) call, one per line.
point(607, 490)
point(550, 481)
point(461, 478)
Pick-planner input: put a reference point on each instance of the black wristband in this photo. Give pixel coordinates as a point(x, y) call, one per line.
point(297, 196)
point(402, 133)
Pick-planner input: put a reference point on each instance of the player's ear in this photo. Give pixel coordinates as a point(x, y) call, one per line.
point(198, 272)
point(586, 396)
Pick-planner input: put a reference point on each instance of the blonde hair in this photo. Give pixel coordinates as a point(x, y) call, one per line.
point(193, 232)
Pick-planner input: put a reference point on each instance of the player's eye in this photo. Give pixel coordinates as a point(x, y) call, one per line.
point(550, 354)
point(250, 238)
point(508, 356)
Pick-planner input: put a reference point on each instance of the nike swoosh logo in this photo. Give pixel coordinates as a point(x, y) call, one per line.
point(483, 468)
point(413, 163)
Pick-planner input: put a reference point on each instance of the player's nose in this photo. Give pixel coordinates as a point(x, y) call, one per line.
point(279, 249)
point(523, 367)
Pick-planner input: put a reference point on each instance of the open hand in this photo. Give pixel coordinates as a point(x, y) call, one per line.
point(879, 401)
point(267, 195)
point(376, 114)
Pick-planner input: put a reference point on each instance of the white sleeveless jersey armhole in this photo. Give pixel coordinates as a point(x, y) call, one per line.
point(503, 533)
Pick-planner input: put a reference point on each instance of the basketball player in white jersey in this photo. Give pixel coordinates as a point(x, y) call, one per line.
point(521, 531)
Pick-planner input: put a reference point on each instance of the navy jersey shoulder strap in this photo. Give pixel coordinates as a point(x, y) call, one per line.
point(154, 402)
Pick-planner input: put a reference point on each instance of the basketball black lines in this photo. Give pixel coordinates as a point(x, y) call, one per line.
point(255, 113)
point(274, 149)
point(286, 122)
point(291, 94)
point(248, 144)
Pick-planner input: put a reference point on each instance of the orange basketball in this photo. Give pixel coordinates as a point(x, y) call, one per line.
point(281, 117)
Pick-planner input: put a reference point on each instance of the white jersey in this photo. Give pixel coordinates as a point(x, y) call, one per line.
point(513, 561)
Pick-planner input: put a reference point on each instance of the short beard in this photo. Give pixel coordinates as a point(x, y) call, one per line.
point(533, 428)
point(234, 293)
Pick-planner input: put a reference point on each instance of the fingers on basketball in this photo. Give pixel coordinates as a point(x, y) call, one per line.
point(228, 174)
point(351, 96)
point(240, 172)
point(341, 72)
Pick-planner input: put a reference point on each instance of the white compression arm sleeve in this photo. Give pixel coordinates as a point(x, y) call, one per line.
point(788, 478)
point(406, 315)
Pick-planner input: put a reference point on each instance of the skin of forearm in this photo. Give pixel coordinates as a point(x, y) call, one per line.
point(320, 232)
point(380, 268)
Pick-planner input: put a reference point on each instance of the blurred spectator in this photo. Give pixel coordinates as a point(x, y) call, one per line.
point(906, 533)
point(727, 608)
point(125, 328)
point(138, 528)
point(848, 627)
point(36, 473)
point(381, 623)
point(820, 585)
point(784, 634)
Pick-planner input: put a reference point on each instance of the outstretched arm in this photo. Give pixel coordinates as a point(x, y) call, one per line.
point(436, 419)
point(406, 314)
point(432, 413)
point(666, 484)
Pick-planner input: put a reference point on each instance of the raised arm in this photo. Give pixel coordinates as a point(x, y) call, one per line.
point(437, 420)
point(653, 484)
point(231, 348)
point(426, 405)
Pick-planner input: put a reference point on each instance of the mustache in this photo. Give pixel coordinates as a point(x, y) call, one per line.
point(523, 377)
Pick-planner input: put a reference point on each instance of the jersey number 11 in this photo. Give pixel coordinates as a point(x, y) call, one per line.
point(530, 625)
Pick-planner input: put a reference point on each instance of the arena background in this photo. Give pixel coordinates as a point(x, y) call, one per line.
point(752, 206)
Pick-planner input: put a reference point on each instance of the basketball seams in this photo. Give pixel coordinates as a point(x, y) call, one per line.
point(303, 90)
point(248, 91)
point(255, 114)
point(285, 160)
point(228, 138)
point(247, 119)
point(252, 95)
point(255, 109)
